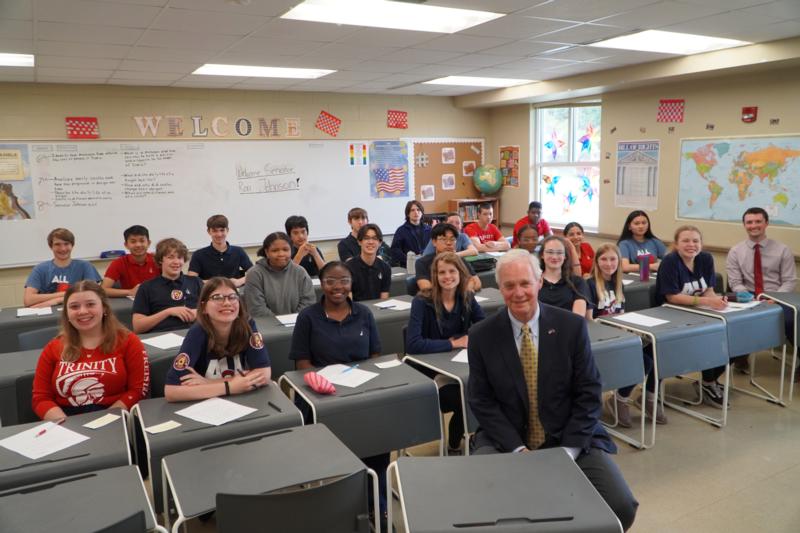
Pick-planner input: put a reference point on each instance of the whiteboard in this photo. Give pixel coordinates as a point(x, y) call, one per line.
point(98, 188)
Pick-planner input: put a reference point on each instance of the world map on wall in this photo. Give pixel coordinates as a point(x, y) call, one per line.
point(720, 178)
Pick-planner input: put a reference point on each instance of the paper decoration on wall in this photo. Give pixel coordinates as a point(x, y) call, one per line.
point(448, 182)
point(468, 168)
point(82, 128)
point(358, 155)
point(670, 110)
point(774, 121)
point(397, 119)
point(671, 129)
point(749, 114)
point(586, 140)
point(448, 156)
point(475, 149)
point(388, 169)
point(422, 159)
point(328, 123)
point(509, 165)
point(710, 126)
point(554, 144)
point(614, 129)
point(427, 193)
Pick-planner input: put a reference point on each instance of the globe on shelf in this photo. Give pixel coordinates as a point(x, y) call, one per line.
point(487, 179)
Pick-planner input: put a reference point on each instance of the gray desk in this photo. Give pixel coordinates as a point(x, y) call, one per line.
point(511, 492)
point(390, 323)
point(12, 366)
point(488, 280)
point(639, 294)
point(752, 330)
point(687, 343)
point(275, 411)
point(253, 465)
point(106, 447)
point(618, 356)
point(792, 301)
point(76, 504)
point(397, 409)
point(11, 326)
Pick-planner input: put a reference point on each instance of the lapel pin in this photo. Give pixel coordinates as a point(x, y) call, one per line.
point(550, 331)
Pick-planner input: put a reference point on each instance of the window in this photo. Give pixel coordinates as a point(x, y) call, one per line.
point(567, 164)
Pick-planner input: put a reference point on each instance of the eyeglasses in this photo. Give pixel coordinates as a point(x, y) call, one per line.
point(446, 240)
point(219, 298)
point(332, 282)
point(370, 238)
point(554, 252)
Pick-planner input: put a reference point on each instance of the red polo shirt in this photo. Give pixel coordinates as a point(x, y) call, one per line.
point(129, 273)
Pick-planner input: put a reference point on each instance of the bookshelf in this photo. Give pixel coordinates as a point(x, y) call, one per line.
point(468, 208)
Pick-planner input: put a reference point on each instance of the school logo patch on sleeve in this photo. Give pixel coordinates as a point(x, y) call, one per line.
point(181, 362)
point(177, 294)
point(256, 341)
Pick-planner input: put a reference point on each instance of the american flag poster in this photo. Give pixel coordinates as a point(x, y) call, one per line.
point(388, 169)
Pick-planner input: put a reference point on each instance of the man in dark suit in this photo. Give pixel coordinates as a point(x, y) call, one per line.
point(530, 353)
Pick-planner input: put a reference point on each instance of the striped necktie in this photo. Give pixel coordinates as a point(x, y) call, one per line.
point(530, 369)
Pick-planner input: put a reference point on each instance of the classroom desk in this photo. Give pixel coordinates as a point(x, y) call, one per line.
point(78, 503)
point(512, 492)
point(12, 366)
point(106, 447)
point(390, 324)
point(749, 331)
point(275, 411)
point(253, 465)
point(639, 294)
point(398, 285)
point(11, 326)
point(394, 410)
point(488, 280)
point(618, 356)
point(792, 301)
point(688, 342)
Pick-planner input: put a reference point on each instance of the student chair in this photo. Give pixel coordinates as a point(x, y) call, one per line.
point(36, 339)
point(24, 389)
point(339, 506)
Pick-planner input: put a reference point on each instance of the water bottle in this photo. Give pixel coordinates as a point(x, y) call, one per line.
point(644, 267)
point(411, 260)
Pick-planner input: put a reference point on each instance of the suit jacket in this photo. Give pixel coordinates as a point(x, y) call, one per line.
point(569, 390)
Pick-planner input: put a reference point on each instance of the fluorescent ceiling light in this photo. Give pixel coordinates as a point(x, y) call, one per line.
point(387, 14)
point(478, 82)
point(668, 42)
point(261, 72)
point(16, 60)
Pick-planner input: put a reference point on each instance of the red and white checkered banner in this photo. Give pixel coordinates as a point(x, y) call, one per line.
point(328, 123)
point(82, 128)
point(670, 111)
point(397, 119)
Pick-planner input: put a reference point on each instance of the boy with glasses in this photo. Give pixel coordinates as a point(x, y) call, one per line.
point(443, 237)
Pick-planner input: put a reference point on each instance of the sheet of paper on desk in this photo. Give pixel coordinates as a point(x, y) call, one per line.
point(496, 254)
point(732, 307)
point(398, 274)
point(346, 375)
point(396, 305)
point(627, 281)
point(162, 427)
point(389, 364)
point(42, 440)
point(215, 411)
point(461, 357)
point(641, 320)
point(34, 311)
point(480, 299)
point(165, 341)
point(104, 420)
point(287, 320)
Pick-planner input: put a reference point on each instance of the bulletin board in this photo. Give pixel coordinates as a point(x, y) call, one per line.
point(444, 166)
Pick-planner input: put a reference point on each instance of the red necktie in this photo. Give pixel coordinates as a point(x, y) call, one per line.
point(758, 275)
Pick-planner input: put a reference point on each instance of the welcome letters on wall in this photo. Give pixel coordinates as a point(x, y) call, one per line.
point(177, 126)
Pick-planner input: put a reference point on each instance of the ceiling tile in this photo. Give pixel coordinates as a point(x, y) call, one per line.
point(16, 46)
point(498, 72)
point(658, 15)
point(402, 79)
point(336, 50)
point(207, 83)
point(74, 72)
point(76, 62)
point(276, 46)
point(463, 43)
point(89, 12)
point(134, 75)
point(579, 53)
point(726, 4)
point(157, 3)
point(518, 27)
point(629, 57)
point(415, 55)
point(185, 39)
point(158, 66)
point(583, 10)
point(272, 8)
point(86, 33)
point(17, 71)
point(387, 37)
point(316, 31)
point(70, 80)
point(442, 69)
point(494, 6)
point(732, 25)
point(152, 53)
point(385, 66)
point(322, 84)
point(208, 21)
point(521, 48)
point(584, 33)
point(16, 9)
point(784, 9)
point(16, 29)
point(142, 83)
point(535, 63)
point(482, 60)
point(354, 76)
point(61, 48)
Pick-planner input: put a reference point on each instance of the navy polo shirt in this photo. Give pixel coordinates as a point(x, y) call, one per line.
point(562, 295)
point(349, 247)
point(194, 353)
point(428, 333)
point(208, 262)
point(674, 277)
point(610, 305)
point(422, 268)
point(324, 341)
point(369, 281)
point(307, 262)
point(161, 293)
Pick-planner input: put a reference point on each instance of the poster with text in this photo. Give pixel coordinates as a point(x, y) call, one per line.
point(16, 190)
point(388, 169)
point(509, 165)
point(637, 175)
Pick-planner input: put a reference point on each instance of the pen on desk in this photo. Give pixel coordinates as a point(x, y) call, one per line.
point(349, 368)
point(275, 407)
point(44, 430)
